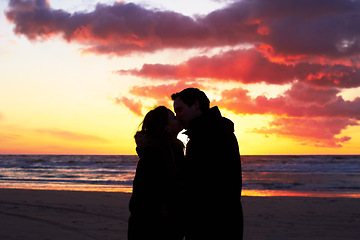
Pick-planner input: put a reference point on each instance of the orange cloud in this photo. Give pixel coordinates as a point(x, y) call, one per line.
point(7, 137)
point(133, 106)
point(73, 136)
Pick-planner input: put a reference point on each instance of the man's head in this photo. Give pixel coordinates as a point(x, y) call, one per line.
point(189, 104)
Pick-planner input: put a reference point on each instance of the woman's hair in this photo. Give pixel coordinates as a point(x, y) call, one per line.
point(155, 121)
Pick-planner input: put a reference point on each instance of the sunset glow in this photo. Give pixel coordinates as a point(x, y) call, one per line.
point(279, 193)
point(128, 189)
point(78, 78)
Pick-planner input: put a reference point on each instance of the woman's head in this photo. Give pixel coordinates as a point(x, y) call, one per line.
point(160, 121)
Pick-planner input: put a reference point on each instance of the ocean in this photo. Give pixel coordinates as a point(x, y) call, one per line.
point(267, 175)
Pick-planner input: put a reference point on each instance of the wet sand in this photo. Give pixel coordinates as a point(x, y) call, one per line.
point(40, 215)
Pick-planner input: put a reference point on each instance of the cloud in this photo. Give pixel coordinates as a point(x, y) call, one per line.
point(318, 28)
point(299, 27)
point(118, 29)
point(250, 66)
point(72, 136)
point(241, 65)
point(312, 116)
point(132, 105)
point(301, 100)
point(304, 94)
point(8, 137)
point(160, 93)
point(312, 45)
point(319, 132)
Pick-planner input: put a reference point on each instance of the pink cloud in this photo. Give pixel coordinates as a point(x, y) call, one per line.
point(118, 29)
point(163, 91)
point(308, 27)
point(320, 132)
point(312, 116)
point(132, 105)
point(251, 66)
point(242, 66)
point(160, 93)
point(304, 94)
point(311, 44)
point(301, 100)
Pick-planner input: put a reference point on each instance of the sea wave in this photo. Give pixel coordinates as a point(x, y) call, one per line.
point(301, 174)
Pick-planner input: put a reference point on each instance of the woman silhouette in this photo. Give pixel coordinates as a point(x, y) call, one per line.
point(156, 201)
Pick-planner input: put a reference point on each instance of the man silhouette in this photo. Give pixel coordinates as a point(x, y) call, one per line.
point(213, 178)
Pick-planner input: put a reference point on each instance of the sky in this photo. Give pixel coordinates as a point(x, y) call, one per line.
point(77, 77)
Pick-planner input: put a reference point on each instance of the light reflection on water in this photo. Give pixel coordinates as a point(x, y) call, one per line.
point(69, 187)
point(283, 193)
point(307, 176)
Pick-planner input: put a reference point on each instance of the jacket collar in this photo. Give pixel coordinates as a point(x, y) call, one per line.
point(203, 122)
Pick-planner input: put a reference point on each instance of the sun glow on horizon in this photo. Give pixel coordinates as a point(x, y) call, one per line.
point(80, 82)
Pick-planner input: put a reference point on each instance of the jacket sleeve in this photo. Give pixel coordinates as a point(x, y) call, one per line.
point(147, 197)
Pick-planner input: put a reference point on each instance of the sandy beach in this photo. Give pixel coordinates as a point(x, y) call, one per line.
point(40, 215)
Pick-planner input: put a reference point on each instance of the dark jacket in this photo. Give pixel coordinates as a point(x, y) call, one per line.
point(213, 179)
point(156, 204)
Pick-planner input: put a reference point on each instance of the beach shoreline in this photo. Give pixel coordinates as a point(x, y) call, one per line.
point(48, 214)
